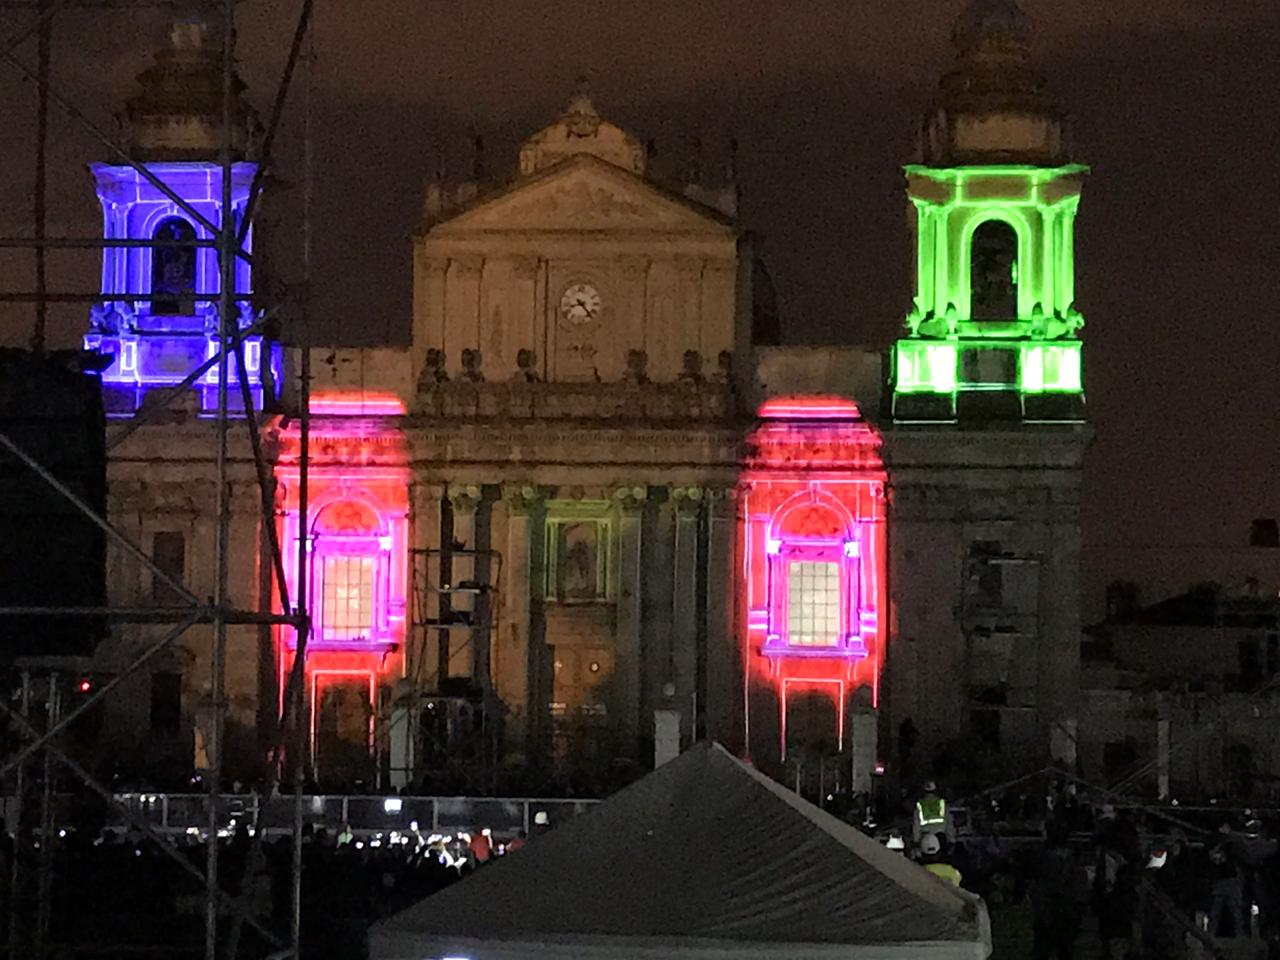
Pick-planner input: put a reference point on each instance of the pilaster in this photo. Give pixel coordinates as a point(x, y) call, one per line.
point(627, 665)
point(688, 503)
point(512, 663)
point(722, 661)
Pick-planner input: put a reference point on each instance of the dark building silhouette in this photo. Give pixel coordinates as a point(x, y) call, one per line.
point(51, 554)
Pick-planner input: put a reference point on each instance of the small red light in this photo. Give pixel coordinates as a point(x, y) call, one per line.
point(84, 686)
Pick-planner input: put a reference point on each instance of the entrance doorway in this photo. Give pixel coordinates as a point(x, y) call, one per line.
point(343, 724)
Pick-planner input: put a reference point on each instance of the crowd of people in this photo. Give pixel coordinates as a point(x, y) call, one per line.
point(1082, 876)
point(118, 887)
point(1130, 883)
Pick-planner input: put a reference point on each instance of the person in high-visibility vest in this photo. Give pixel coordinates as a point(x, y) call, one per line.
point(931, 815)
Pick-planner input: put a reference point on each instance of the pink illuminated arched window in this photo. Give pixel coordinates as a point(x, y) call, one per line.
point(813, 554)
point(350, 572)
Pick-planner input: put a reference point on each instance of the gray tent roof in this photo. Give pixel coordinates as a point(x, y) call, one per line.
point(702, 856)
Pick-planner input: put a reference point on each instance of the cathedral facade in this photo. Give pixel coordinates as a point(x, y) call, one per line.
point(593, 512)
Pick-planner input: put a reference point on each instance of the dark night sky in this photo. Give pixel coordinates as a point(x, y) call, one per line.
point(1175, 107)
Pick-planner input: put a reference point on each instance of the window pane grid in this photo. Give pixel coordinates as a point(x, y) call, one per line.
point(347, 611)
point(813, 603)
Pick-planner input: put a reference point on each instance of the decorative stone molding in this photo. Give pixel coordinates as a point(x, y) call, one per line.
point(523, 499)
point(464, 498)
point(724, 368)
point(433, 369)
point(637, 367)
point(631, 499)
point(687, 500)
point(691, 367)
point(527, 367)
point(472, 360)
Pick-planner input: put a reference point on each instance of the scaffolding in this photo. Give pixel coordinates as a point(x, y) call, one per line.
point(457, 723)
point(45, 679)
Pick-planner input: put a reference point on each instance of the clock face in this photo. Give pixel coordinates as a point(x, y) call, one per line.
point(580, 303)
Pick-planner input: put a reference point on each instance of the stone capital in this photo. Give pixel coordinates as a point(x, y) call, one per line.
point(464, 498)
point(522, 499)
point(630, 499)
point(688, 500)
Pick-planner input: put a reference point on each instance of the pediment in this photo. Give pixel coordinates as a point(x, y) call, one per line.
point(585, 194)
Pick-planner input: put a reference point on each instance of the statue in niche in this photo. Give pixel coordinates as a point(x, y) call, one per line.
point(173, 267)
point(527, 364)
point(433, 370)
point(691, 369)
point(637, 367)
point(578, 561)
point(471, 361)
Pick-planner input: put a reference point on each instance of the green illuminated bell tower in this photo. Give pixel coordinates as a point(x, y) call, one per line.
point(986, 438)
point(993, 333)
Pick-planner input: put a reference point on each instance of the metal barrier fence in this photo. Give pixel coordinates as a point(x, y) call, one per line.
point(177, 813)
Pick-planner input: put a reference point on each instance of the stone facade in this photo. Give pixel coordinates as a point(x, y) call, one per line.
point(587, 496)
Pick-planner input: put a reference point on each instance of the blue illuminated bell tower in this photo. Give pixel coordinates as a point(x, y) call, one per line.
point(166, 325)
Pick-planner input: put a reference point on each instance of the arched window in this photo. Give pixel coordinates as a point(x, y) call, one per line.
point(993, 272)
point(814, 579)
point(173, 268)
point(350, 571)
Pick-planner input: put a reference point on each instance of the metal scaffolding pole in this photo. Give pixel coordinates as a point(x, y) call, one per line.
point(227, 325)
point(229, 239)
point(300, 725)
point(41, 189)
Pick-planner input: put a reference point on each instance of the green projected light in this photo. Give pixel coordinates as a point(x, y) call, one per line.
point(924, 367)
point(976, 226)
point(994, 308)
point(1050, 368)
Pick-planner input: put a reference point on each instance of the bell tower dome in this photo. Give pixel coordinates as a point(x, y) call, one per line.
point(178, 113)
point(994, 106)
point(993, 333)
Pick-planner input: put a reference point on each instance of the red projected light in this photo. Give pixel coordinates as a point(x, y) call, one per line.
point(84, 686)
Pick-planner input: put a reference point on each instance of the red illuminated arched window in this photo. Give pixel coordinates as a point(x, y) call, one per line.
point(813, 555)
point(351, 553)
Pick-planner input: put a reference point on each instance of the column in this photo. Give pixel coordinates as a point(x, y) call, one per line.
point(627, 666)
point(684, 606)
point(656, 651)
point(723, 657)
point(511, 654)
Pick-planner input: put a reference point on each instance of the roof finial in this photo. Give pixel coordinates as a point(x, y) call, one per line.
point(580, 103)
point(990, 19)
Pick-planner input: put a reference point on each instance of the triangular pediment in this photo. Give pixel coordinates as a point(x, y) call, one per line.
point(581, 194)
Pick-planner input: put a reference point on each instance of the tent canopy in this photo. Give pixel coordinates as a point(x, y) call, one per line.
point(703, 858)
